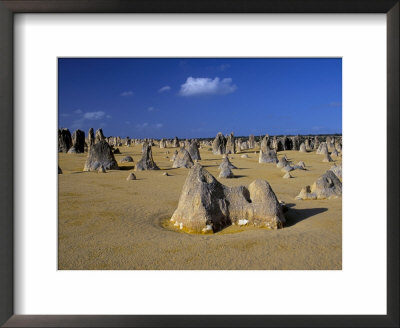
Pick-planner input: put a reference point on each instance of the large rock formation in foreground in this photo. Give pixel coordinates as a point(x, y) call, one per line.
point(146, 162)
point(207, 205)
point(327, 185)
point(100, 155)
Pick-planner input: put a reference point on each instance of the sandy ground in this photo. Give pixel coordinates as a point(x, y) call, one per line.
point(106, 222)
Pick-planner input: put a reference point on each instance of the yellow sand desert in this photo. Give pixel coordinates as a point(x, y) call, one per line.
point(107, 222)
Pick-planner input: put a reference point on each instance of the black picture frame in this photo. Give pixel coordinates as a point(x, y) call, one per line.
point(10, 7)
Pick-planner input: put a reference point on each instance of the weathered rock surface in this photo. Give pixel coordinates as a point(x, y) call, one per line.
point(226, 172)
point(207, 205)
point(146, 162)
point(287, 176)
point(193, 150)
point(337, 169)
point(90, 138)
point(226, 162)
point(282, 162)
point(316, 143)
point(100, 155)
point(175, 142)
point(219, 144)
point(306, 193)
point(99, 136)
point(127, 159)
point(327, 185)
point(163, 143)
point(300, 166)
point(252, 143)
point(183, 159)
point(230, 144)
point(308, 145)
point(72, 150)
point(64, 140)
point(59, 170)
point(244, 145)
point(78, 141)
point(265, 143)
point(327, 158)
point(131, 176)
point(267, 157)
point(322, 149)
point(174, 155)
point(303, 148)
point(287, 168)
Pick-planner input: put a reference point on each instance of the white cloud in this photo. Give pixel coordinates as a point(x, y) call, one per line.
point(165, 88)
point(142, 126)
point(127, 93)
point(94, 115)
point(108, 116)
point(151, 109)
point(64, 115)
point(78, 111)
point(206, 86)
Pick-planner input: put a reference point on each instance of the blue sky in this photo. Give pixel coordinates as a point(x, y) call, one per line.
point(199, 97)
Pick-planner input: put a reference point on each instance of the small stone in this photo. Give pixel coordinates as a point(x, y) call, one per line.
point(226, 172)
point(127, 159)
point(287, 176)
point(131, 176)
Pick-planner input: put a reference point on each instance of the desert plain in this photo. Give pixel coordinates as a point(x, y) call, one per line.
point(107, 222)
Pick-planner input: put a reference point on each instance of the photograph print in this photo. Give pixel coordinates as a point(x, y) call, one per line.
point(200, 163)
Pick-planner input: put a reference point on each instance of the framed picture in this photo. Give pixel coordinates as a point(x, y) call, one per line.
point(119, 237)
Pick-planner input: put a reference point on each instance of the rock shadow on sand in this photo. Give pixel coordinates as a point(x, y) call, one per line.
point(294, 216)
point(126, 168)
